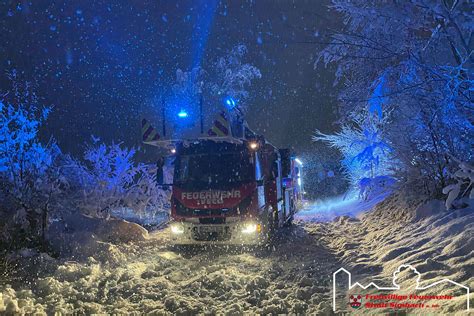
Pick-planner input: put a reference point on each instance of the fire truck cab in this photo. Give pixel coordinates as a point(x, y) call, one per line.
point(228, 187)
point(231, 193)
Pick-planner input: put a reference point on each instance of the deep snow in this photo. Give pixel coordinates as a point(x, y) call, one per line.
point(293, 276)
point(437, 242)
point(150, 277)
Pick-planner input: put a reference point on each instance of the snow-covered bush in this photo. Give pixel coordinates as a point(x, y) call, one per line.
point(111, 180)
point(464, 179)
point(39, 184)
point(412, 60)
point(370, 188)
point(30, 176)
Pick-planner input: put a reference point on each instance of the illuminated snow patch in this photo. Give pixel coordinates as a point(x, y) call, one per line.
point(343, 205)
point(168, 255)
point(326, 210)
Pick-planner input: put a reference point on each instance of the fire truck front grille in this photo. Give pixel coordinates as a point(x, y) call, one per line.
point(182, 210)
point(212, 220)
point(211, 233)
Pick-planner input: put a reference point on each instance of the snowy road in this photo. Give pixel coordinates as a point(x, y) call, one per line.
point(349, 204)
point(292, 276)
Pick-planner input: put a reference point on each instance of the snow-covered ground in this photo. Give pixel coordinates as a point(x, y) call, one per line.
point(148, 276)
point(294, 275)
point(149, 220)
point(349, 204)
point(437, 242)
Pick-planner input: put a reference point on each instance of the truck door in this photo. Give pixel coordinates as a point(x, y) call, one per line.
point(273, 189)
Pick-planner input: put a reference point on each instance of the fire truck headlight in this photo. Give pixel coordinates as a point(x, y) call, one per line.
point(253, 145)
point(177, 229)
point(251, 228)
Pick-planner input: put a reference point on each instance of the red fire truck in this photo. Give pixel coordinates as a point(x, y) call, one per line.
point(231, 187)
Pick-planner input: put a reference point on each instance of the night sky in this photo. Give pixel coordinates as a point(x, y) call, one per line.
point(101, 64)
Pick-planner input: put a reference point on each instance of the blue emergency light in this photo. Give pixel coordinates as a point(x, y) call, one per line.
point(183, 114)
point(230, 102)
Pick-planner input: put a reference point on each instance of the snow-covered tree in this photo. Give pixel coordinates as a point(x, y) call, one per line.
point(188, 86)
point(413, 60)
point(366, 155)
point(228, 77)
point(30, 177)
point(232, 77)
point(38, 183)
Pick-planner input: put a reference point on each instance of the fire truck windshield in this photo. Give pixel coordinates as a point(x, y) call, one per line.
point(213, 170)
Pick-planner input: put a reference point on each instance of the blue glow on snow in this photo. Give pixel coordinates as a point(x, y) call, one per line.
point(348, 204)
point(329, 208)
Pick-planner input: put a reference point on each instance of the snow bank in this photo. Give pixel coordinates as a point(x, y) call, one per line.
point(438, 243)
point(349, 204)
point(147, 219)
point(79, 237)
point(292, 278)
